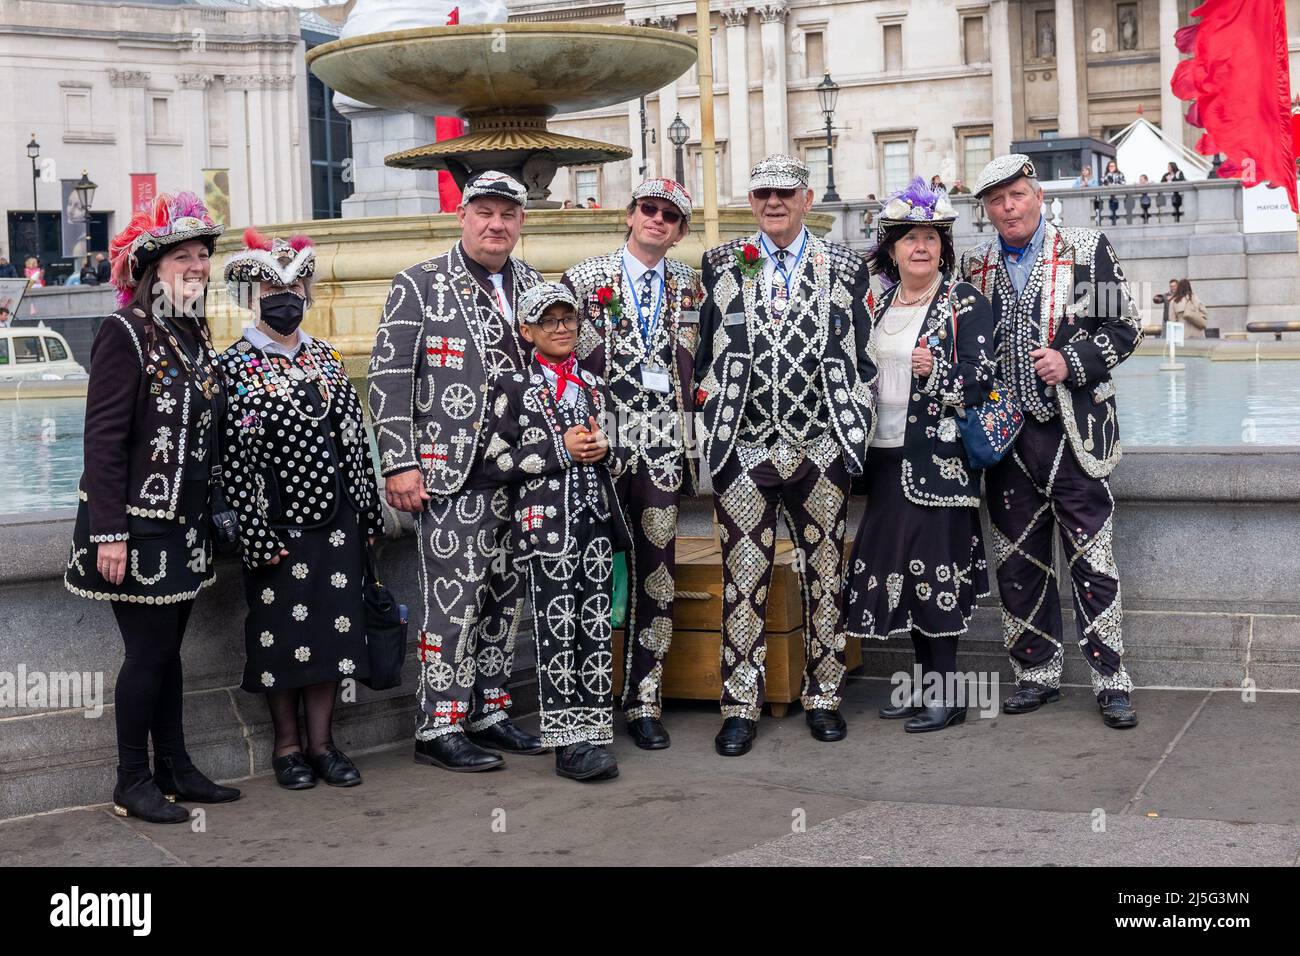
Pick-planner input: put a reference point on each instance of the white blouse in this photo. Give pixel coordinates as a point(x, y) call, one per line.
point(893, 355)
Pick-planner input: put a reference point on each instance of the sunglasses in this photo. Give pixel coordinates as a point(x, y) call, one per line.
point(671, 216)
point(763, 195)
point(551, 322)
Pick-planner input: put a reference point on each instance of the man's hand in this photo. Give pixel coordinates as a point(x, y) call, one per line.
point(405, 491)
point(1050, 365)
point(922, 362)
point(276, 560)
point(110, 561)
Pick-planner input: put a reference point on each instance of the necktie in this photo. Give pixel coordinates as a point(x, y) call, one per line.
point(780, 256)
point(563, 373)
point(498, 290)
point(647, 301)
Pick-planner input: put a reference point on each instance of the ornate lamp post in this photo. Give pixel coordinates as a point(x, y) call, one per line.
point(85, 191)
point(34, 153)
point(827, 92)
point(678, 134)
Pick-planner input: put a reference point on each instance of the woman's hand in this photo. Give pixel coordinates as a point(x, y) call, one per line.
point(276, 560)
point(922, 362)
point(110, 561)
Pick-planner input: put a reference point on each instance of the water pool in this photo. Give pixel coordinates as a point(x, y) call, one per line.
point(1208, 403)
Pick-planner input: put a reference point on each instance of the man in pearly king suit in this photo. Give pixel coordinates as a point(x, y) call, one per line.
point(448, 331)
point(784, 378)
point(1066, 319)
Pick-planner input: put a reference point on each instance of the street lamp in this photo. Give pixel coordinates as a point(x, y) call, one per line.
point(827, 92)
point(34, 153)
point(678, 134)
point(85, 191)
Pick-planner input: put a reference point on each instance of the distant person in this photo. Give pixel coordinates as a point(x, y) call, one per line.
point(103, 269)
point(1163, 299)
point(7, 270)
point(568, 204)
point(1185, 306)
point(591, 203)
point(88, 275)
point(1174, 175)
point(1085, 178)
point(959, 188)
point(5, 317)
point(1113, 176)
point(936, 184)
point(32, 270)
point(1143, 179)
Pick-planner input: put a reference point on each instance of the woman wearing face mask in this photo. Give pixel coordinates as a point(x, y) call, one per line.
point(298, 471)
point(142, 539)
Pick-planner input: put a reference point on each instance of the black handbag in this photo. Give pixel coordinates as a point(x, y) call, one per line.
point(385, 630)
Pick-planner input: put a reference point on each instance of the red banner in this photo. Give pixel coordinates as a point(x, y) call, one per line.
point(144, 186)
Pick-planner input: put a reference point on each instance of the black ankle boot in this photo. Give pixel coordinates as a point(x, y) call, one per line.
point(136, 795)
point(178, 777)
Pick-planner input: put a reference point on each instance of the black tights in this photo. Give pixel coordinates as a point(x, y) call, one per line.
point(147, 698)
point(318, 701)
point(935, 655)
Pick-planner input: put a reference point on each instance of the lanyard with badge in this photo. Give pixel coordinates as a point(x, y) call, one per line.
point(653, 376)
point(781, 298)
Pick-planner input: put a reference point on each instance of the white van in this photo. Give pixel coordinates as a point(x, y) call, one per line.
point(36, 354)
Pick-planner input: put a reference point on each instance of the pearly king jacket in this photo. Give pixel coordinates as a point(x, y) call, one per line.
point(527, 451)
point(613, 349)
point(140, 426)
point(441, 343)
point(1077, 300)
point(282, 471)
point(832, 288)
point(936, 470)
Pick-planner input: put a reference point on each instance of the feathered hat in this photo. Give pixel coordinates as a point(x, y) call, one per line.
point(172, 219)
point(917, 205)
point(270, 259)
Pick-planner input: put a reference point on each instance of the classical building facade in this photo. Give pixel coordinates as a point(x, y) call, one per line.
point(168, 88)
point(927, 86)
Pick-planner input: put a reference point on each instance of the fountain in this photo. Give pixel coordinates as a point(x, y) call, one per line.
point(505, 80)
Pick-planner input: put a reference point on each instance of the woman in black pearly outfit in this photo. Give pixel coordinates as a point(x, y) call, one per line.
point(918, 561)
point(298, 470)
point(142, 538)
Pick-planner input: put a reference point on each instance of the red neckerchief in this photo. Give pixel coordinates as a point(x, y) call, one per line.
point(563, 372)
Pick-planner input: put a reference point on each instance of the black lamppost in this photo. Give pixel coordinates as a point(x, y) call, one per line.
point(827, 91)
point(678, 134)
point(34, 153)
point(645, 160)
point(85, 191)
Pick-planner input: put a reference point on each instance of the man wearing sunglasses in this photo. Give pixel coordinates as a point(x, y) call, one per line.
point(784, 380)
point(640, 328)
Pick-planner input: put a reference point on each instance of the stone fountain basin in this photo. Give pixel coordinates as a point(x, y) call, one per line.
point(544, 68)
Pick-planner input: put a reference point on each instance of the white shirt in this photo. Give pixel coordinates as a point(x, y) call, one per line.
point(893, 352)
point(267, 344)
point(636, 269)
point(503, 303)
point(570, 396)
point(772, 278)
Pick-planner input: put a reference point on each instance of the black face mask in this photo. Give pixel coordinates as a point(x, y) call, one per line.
point(283, 311)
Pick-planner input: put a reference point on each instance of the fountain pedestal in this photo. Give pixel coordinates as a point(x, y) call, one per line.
point(379, 189)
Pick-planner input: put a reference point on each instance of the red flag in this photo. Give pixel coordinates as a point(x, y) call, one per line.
point(1239, 81)
point(448, 127)
point(453, 18)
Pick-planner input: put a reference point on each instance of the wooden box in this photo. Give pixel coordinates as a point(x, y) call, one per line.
point(692, 667)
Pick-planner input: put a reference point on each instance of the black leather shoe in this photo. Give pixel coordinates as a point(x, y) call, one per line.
point(736, 736)
point(935, 718)
point(1028, 698)
point(648, 733)
point(1117, 710)
point(179, 779)
point(585, 761)
point(293, 772)
point(910, 709)
point(136, 795)
point(505, 736)
point(335, 768)
point(826, 725)
point(456, 752)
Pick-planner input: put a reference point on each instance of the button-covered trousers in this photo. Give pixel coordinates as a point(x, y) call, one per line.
point(1036, 488)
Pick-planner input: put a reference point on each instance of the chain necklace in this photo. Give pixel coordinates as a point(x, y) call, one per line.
point(208, 384)
point(285, 382)
point(922, 297)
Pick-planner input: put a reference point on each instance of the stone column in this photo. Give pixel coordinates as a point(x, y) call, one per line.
point(1171, 107)
point(776, 126)
point(249, 130)
point(132, 83)
point(1000, 60)
point(378, 189)
point(668, 108)
point(241, 208)
point(1067, 76)
point(737, 98)
point(194, 124)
